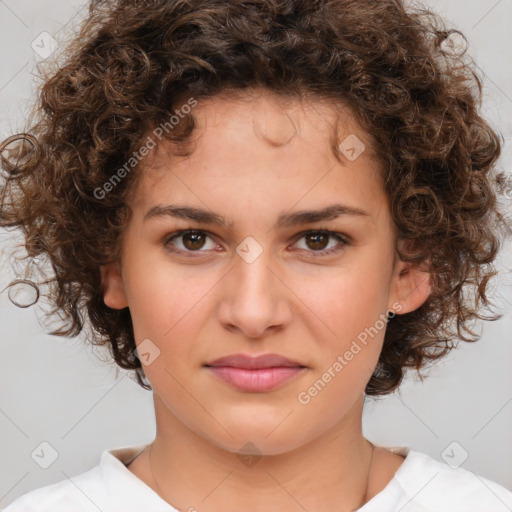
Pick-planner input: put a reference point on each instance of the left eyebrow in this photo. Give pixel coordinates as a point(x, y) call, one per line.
point(285, 220)
point(310, 216)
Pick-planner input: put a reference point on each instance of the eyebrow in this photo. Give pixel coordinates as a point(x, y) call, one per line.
point(285, 220)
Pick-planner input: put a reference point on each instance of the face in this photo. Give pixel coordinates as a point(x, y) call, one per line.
point(266, 280)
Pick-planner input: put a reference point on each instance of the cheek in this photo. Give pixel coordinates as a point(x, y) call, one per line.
point(351, 305)
point(353, 308)
point(169, 307)
point(345, 303)
point(162, 296)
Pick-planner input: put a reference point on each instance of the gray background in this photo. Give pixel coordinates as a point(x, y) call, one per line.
point(57, 391)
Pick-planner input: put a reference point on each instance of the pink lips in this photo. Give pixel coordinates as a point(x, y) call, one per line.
point(255, 374)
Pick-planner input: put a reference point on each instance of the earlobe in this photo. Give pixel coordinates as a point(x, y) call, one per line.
point(113, 289)
point(411, 288)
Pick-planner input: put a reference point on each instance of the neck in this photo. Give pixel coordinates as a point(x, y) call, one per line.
point(332, 472)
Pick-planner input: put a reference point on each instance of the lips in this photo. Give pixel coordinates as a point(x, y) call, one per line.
point(255, 363)
point(255, 374)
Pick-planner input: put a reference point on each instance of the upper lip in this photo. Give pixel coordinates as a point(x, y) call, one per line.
point(254, 363)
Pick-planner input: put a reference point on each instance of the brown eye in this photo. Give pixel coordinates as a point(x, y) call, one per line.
point(191, 241)
point(317, 241)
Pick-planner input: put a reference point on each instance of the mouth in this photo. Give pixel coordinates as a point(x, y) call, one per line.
point(255, 374)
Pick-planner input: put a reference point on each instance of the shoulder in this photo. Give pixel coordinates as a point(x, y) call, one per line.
point(109, 487)
point(82, 493)
point(434, 486)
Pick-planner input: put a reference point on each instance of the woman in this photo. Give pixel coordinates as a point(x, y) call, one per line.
point(267, 210)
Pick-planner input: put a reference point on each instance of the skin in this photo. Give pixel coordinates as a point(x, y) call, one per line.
point(253, 159)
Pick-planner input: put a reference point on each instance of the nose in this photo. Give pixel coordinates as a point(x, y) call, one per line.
point(254, 300)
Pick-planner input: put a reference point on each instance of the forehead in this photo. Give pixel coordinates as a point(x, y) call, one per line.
point(264, 146)
point(287, 122)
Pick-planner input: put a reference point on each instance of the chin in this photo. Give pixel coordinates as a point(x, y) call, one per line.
point(260, 440)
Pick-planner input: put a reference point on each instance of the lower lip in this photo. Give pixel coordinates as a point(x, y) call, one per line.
point(263, 379)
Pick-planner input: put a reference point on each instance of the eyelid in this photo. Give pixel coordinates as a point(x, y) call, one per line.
point(325, 231)
point(181, 232)
point(342, 238)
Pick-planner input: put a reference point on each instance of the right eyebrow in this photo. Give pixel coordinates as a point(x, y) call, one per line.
point(188, 213)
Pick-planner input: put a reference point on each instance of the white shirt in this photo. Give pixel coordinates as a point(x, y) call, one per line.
point(421, 484)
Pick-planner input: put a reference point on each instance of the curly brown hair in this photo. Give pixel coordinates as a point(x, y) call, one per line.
point(132, 63)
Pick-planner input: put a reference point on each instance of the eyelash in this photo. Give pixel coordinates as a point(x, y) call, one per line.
point(324, 252)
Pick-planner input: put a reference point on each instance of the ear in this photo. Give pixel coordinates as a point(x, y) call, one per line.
point(114, 294)
point(411, 287)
